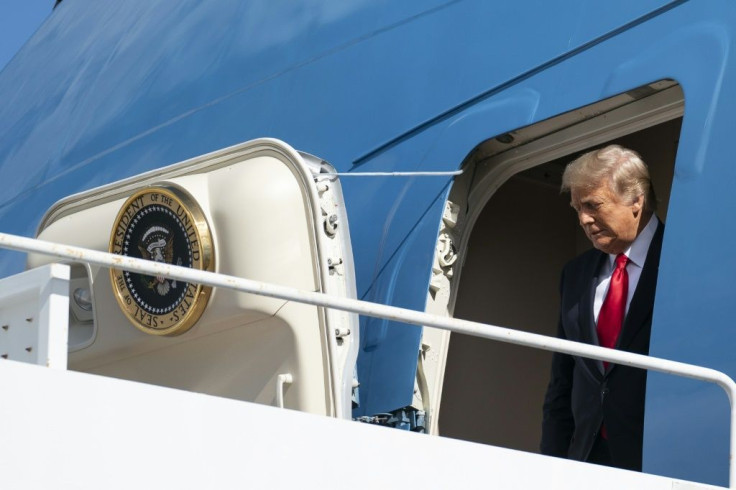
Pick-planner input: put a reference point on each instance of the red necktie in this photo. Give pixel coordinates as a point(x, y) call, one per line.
point(611, 316)
point(613, 311)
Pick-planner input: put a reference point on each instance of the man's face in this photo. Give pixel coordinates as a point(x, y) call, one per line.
point(610, 223)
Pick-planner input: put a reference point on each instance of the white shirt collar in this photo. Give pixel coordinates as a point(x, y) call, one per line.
point(637, 252)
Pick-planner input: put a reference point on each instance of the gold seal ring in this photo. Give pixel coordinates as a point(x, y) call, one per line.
point(162, 223)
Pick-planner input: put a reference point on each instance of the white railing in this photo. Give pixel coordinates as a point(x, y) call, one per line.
point(402, 315)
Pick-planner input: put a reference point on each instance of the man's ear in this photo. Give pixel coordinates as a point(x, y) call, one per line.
point(638, 204)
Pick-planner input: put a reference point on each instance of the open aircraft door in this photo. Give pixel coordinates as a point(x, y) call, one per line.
point(259, 210)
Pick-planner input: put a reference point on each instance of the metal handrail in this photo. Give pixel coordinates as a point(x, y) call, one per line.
point(386, 312)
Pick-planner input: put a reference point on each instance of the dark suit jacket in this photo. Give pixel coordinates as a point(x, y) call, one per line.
point(580, 395)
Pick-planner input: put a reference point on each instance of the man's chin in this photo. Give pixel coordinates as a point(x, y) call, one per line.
point(603, 245)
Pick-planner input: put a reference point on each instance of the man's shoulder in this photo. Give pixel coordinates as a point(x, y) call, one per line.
point(588, 260)
point(577, 272)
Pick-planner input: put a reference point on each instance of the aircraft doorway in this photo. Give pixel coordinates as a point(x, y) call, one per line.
point(512, 255)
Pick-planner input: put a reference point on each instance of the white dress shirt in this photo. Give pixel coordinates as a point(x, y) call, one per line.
point(637, 254)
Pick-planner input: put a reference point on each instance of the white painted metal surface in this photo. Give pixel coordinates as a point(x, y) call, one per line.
point(83, 432)
point(34, 316)
point(293, 232)
point(391, 313)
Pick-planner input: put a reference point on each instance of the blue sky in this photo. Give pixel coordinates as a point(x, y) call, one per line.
point(19, 19)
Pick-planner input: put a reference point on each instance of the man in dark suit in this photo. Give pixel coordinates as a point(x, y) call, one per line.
point(594, 411)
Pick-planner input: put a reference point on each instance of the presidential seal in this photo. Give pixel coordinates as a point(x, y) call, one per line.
point(163, 224)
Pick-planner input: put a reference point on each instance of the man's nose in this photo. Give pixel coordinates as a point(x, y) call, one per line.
point(584, 218)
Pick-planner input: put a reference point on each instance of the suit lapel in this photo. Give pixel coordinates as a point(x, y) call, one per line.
point(589, 335)
point(642, 302)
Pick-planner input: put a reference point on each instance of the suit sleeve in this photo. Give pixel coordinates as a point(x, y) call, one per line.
point(558, 424)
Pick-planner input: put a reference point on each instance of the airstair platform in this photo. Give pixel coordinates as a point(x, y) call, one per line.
point(68, 430)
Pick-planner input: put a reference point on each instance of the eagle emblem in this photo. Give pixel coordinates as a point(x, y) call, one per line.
point(157, 244)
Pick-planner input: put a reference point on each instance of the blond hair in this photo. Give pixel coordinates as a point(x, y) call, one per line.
point(625, 171)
